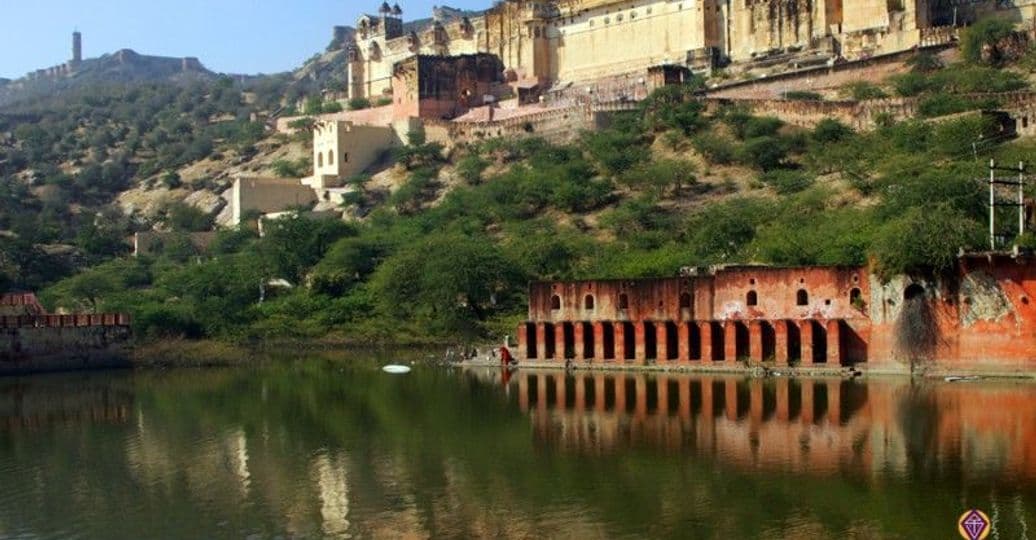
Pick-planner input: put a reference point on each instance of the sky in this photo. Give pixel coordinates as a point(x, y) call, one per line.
point(230, 36)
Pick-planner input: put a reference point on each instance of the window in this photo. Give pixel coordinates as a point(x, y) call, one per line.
point(320, 159)
point(555, 302)
point(802, 297)
point(330, 157)
point(588, 303)
point(624, 301)
point(752, 298)
point(685, 301)
point(345, 157)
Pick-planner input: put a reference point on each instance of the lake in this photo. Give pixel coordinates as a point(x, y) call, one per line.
point(334, 448)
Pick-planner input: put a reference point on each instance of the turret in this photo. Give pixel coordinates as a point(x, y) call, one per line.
point(77, 48)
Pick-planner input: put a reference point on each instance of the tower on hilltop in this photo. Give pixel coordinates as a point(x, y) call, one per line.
point(77, 47)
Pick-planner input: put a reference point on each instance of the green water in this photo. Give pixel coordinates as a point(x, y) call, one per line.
point(337, 449)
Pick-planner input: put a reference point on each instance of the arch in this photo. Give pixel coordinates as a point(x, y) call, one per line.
point(320, 159)
point(650, 341)
point(555, 302)
point(531, 345)
point(856, 298)
point(915, 290)
point(672, 345)
point(330, 157)
point(624, 301)
point(685, 301)
point(609, 341)
point(588, 302)
point(589, 343)
point(802, 298)
point(752, 298)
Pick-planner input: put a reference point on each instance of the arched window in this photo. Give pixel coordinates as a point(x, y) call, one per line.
point(802, 297)
point(588, 302)
point(330, 157)
point(856, 297)
point(320, 159)
point(685, 301)
point(915, 290)
point(752, 299)
point(624, 301)
point(555, 302)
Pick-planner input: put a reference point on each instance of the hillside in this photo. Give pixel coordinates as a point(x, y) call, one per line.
point(447, 241)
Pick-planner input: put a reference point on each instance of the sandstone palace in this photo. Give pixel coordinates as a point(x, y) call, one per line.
point(554, 44)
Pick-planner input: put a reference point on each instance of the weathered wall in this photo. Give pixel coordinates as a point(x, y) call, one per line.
point(268, 195)
point(444, 86)
point(59, 342)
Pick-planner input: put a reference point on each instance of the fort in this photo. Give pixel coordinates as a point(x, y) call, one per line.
point(980, 318)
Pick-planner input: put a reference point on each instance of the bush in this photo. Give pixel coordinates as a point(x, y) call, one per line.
point(985, 32)
point(862, 90)
point(717, 149)
point(830, 130)
point(924, 240)
point(470, 168)
point(786, 182)
point(358, 103)
point(764, 153)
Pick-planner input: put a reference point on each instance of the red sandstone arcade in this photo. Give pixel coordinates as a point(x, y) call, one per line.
point(981, 317)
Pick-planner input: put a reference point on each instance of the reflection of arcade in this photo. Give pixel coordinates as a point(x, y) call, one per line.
point(35, 405)
point(806, 425)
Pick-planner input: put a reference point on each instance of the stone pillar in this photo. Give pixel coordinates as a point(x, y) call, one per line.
point(639, 343)
point(730, 342)
point(705, 331)
point(523, 342)
point(559, 391)
point(620, 393)
point(806, 336)
point(780, 331)
point(834, 343)
point(641, 408)
point(577, 337)
point(755, 341)
point(834, 401)
point(523, 392)
point(541, 341)
point(783, 399)
point(807, 402)
point(683, 341)
point(559, 342)
point(620, 342)
point(730, 398)
point(661, 342)
point(599, 341)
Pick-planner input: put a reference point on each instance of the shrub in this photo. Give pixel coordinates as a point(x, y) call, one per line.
point(924, 240)
point(862, 90)
point(830, 130)
point(470, 168)
point(985, 32)
point(786, 182)
point(763, 153)
point(358, 103)
point(717, 149)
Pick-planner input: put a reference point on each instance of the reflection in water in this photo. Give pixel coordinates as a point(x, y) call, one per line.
point(333, 450)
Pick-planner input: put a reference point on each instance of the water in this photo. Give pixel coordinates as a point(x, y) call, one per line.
point(336, 449)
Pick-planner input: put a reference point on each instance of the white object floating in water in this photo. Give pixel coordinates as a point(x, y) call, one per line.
point(396, 370)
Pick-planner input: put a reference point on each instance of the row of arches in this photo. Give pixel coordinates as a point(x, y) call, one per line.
point(330, 158)
point(806, 341)
point(751, 299)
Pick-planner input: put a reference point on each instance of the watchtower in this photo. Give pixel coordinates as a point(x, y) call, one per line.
point(77, 47)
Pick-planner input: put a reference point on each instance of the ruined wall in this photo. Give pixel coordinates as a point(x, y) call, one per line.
point(58, 342)
point(267, 195)
point(444, 87)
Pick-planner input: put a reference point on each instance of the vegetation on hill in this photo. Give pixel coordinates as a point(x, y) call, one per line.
point(663, 187)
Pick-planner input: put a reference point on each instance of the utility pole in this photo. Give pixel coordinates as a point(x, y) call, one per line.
point(995, 202)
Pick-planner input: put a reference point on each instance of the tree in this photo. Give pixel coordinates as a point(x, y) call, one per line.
point(978, 42)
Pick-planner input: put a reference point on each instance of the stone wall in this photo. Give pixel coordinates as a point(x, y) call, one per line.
point(344, 149)
point(266, 195)
point(983, 318)
point(62, 342)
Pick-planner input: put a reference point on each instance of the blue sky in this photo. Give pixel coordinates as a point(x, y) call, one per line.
point(234, 36)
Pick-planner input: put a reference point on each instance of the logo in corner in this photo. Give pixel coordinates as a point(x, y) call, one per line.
point(974, 525)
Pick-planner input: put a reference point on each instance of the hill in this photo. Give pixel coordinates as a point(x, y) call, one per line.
point(440, 243)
